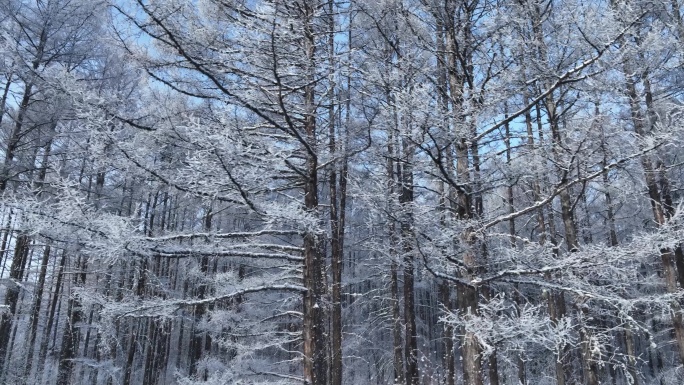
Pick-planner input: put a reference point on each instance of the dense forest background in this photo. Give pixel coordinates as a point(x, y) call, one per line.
point(409, 192)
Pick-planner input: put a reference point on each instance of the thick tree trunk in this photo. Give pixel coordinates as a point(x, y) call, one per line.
point(314, 334)
point(472, 362)
point(406, 231)
point(468, 296)
point(315, 349)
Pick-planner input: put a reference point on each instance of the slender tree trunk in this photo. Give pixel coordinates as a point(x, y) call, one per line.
point(397, 327)
point(590, 368)
point(448, 336)
point(56, 298)
point(4, 246)
point(35, 310)
point(130, 353)
point(15, 136)
point(5, 92)
point(11, 297)
point(612, 233)
point(150, 352)
point(667, 256)
point(555, 300)
point(71, 337)
point(197, 343)
point(337, 211)
point(589, 364)
point(21, 252)
point(445, 194)
point(631, 356)
point(510, 202)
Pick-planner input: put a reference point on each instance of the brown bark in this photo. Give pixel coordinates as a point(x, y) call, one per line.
point(510, 202)
point(589, 365)
point(315, 350)
point(472, 363)
point(567, 213)
point(667, 256)
point(612, 233)
point(631, 356)
point(405, 173)
point(626, 336)
point(459, 65)
point(445, 195)
point(555, 301)
point(468, 295)
point(314, 335)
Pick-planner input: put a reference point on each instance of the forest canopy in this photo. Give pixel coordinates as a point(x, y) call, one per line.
point(319, 192)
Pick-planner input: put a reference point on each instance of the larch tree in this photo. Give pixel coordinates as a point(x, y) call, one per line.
point(341, 192)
